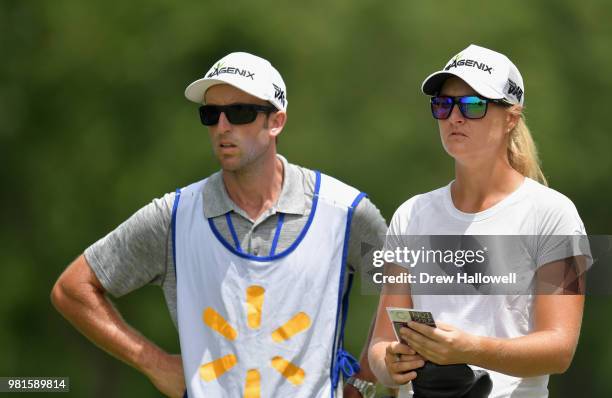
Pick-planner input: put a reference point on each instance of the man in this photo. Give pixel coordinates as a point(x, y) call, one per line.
point(252, 260)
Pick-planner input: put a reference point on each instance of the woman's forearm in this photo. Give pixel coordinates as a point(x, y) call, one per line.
point(376, 357)
point(539, 353)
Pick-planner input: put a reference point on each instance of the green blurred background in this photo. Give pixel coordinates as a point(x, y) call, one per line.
point(93, 125)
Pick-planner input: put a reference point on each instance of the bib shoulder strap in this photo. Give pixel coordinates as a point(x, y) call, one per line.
point(337, 192)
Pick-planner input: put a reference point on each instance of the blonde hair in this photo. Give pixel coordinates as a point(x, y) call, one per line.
point(522, 151)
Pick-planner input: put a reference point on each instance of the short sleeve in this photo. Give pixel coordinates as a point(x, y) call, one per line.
point(398, 227)
point(367, 230)
point(561, 232)
point(135, 253)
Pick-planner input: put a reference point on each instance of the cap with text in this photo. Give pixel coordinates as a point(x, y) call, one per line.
point(488, 72)
point(247, 72)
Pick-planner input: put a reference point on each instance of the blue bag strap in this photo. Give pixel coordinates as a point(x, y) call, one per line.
point(343, 361)
point(177, 198)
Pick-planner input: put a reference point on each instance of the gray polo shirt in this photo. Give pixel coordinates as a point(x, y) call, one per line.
point(139, 251)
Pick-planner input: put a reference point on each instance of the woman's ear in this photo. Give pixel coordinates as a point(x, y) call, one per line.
point(512, 117)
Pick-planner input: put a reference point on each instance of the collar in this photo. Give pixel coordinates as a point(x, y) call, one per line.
point(291, 199)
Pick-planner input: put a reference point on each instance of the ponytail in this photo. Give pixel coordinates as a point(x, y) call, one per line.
point(522, 151)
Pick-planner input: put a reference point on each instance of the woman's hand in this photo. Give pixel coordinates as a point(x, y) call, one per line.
point(443, 345)
point(401, 360)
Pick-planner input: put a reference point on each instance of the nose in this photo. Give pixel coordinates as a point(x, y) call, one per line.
point(456, 116)
point(223, 124)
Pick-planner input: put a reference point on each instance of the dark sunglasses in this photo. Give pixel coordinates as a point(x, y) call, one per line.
point(471, 106)
point(235, 113)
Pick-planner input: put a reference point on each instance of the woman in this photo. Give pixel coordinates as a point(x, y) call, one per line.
point(498, 189)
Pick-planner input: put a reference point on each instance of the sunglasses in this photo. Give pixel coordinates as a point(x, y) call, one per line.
point(235, 113)
point(471, 106)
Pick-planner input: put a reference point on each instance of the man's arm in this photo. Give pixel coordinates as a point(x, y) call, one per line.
point(365, 373)
point(79, 296)
point(368, 227)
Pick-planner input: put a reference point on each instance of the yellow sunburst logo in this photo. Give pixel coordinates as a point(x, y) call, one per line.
point(254, 303)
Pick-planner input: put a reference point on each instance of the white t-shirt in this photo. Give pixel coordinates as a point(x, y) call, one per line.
point(533, 209)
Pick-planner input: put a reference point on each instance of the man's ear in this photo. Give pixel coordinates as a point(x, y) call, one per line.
point(276, 122)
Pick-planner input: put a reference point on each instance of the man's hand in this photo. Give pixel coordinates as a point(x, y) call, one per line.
point(167, 375)
point(443, 345)
point(80, 297)
point(401, 360)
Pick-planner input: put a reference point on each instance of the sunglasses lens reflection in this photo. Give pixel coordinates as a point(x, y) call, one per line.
point(470, 106)
point(441, 107)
